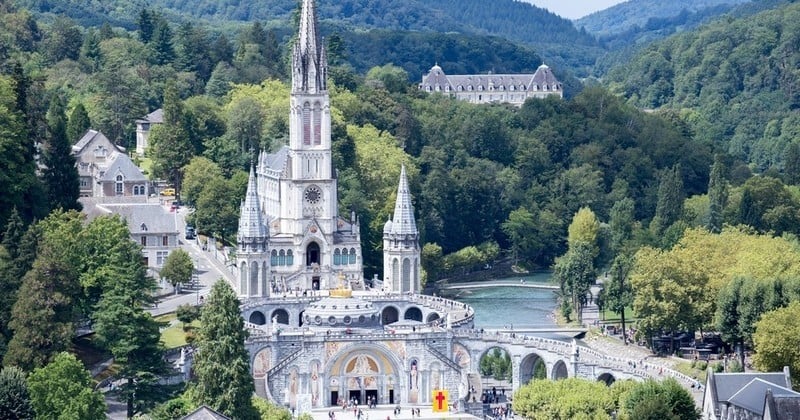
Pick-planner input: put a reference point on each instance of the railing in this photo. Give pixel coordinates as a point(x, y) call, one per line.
point(448, 361)
point(283, 363)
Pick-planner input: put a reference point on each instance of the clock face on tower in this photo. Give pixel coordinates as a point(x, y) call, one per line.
point(313, 194)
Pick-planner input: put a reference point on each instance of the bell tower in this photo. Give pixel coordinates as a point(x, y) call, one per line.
point(401, 252)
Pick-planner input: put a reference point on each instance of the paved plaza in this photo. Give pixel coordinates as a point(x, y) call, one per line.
point(383, 412)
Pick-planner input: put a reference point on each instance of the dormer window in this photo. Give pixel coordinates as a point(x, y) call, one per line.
point(143, 227)
point(118, 186)
point(100, 152)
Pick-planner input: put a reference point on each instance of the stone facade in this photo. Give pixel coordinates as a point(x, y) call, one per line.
point(514, 89)
point(105, 170)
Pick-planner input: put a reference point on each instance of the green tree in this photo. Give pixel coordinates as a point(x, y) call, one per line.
point(78, 123)
point(584, 228)
point(717, 196)
point(222, 364)
point(64, 390)
point(270, 411)
point(196, 175)
point(621, 222)
point(617, 293)
point(575, 273)
point(432, 261)
point(777, 340)
point(669, 207)
point(146, 23)
point(161, 44)
point(677, 399)
point(178, 268)
point(60, 174)
point(15, 400)
point(169, 146)
point(570, 398)
point(216, 209)
point(187, 313)
point(43, 314)
point(129, 332)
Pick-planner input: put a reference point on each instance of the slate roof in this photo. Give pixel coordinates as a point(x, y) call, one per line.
point(88, 137)
point(155, 117)
point(728, 384)
point(782, 407)
point(251, 224)
point(538, 81)
point(124, 165)
point(751, 396)
point(276, 161)
point(153, 217)
point(205, 413)
point(403, 222)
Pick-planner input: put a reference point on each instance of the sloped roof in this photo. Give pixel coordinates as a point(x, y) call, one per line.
point(544, 76)
point(751, 396)
point(276, 161)
point(251, 224)
point(204, 412)
point(782, 407)
point(88, 137)
point(124, 165)
point(438, 80)
point(403, 222)
point(155, 117)
point(728, 384)
point(152, 218)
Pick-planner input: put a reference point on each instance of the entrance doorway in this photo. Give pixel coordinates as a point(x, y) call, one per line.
point(391, 396)
point(312, 254)
point(355, 396)
point(334, 397)
point(371, 395)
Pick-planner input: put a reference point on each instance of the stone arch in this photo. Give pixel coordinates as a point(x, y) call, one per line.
point(313, 253)
point(300, 320)
point(258, 318)
point(385, 359)
point(282, 316)
point(413, 313)
point(433, 316)
point(607, 378)
point(406, 282)
point(389, 315)
point(532, 367)
point(560, 371)
point(493, 351)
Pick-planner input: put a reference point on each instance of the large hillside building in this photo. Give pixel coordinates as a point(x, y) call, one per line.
point(488, 88)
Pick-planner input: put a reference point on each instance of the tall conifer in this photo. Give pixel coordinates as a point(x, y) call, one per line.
point(60, 174)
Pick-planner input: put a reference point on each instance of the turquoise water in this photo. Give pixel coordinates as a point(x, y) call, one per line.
point(498, 307)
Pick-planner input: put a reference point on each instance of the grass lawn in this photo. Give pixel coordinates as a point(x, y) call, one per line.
point(608, 316)
point(174, 335)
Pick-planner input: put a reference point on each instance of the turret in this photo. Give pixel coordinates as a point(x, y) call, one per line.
point(252, 244)
point(401, 251)
point(309, 61)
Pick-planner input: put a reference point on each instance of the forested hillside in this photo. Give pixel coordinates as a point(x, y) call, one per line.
point(735, 82)
point(632, 13)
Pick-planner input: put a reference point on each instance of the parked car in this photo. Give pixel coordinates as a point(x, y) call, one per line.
point(190, 233)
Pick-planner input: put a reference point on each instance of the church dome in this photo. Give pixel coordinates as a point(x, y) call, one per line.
point(341, 312)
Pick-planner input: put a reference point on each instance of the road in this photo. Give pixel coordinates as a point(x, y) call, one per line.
point(207, 267)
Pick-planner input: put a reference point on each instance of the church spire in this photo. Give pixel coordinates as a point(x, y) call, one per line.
point(309, 66)
point(403, 222)
point(251, 224)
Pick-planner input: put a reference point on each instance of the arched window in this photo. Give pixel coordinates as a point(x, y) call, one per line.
point(289, 257)
point(273, 258)
point(282, 257)
point(118, 188)
point(306, 124)
point(352, 255)
point(344, 257)
point(317, 123)
point(337, 257)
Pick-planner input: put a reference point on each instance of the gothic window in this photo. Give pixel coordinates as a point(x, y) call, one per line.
point(317, 123)
point(352, 255)
point(118, 187)
point(289, 257)
point(337, 257)
point(273, 258)
point(282, 257)
point(306, 124)
point(344, 257)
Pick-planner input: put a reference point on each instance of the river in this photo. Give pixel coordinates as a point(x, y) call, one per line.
point(498, 307)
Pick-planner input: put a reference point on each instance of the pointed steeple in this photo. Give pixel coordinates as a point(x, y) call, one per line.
point(309, 64)
point(403, 222)
point(251, 224)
